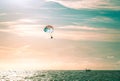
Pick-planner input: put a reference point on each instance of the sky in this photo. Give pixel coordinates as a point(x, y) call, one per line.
point(86, 34)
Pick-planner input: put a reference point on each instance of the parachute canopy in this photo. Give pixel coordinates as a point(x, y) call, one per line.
point(49, 29)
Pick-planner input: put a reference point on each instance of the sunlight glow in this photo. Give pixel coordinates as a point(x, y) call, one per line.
point(20, 2)
point(27, 30)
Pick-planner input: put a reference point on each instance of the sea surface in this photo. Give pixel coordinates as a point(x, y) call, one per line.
point(61, 75)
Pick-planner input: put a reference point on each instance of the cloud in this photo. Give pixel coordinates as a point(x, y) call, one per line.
point(110, 57)
point(81, 28)
point(101, 19)
point(23, 27)
point(22, 50)
point(3, 48)
point(5, 30)
point(19, 21)
point(118, 62)
point(88, 4)
point(3, 14)
point(87, 33)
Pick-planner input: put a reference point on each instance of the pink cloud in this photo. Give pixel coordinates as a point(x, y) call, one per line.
point(87, 33)
point(89, 4)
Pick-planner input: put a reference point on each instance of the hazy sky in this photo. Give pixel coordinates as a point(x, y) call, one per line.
point(86, 35)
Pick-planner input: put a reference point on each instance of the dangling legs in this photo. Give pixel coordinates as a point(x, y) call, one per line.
point(51, 35)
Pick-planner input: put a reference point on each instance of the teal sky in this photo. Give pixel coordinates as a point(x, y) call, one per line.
point(86, 35)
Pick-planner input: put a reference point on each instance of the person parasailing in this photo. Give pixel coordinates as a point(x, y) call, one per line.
point(49, 29)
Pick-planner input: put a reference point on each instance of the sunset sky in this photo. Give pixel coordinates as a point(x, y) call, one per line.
point(86, 34)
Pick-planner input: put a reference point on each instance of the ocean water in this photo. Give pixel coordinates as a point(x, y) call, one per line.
point(60, 75)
